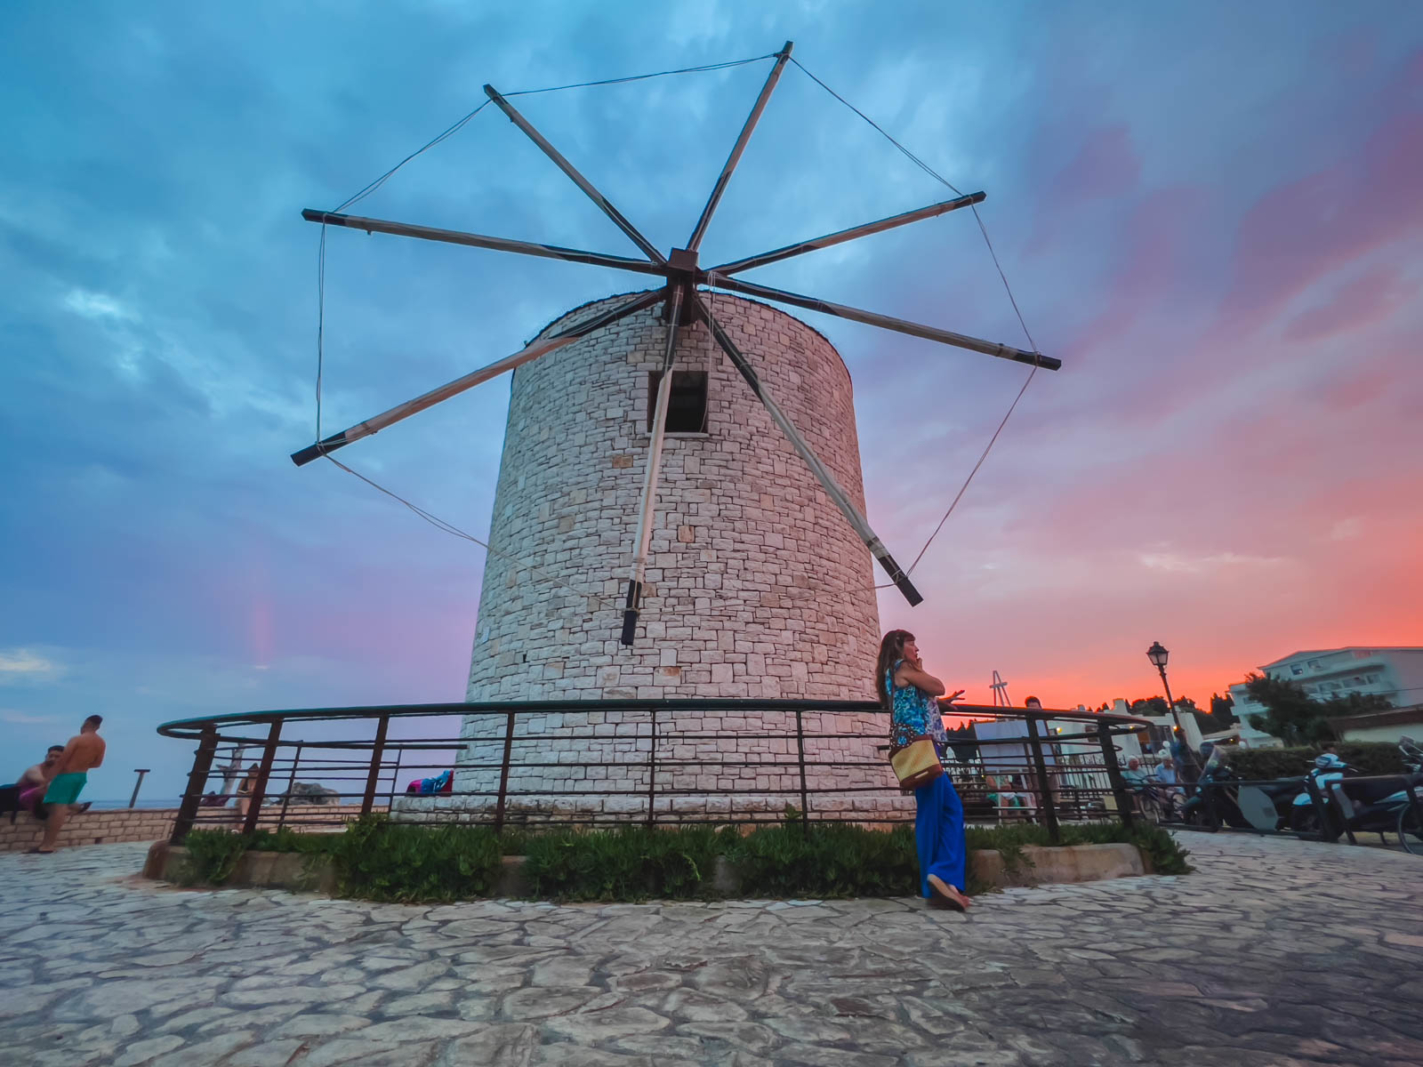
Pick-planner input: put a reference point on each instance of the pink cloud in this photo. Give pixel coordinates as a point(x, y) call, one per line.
point(1106, 164)
point(1370, 298)
point(1302, 231)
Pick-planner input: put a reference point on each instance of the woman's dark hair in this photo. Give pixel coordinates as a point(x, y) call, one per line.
point(890, 649)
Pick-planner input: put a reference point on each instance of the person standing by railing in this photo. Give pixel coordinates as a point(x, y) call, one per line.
point(910, 695)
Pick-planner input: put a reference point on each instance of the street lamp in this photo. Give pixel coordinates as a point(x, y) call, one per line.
point(1158, 656)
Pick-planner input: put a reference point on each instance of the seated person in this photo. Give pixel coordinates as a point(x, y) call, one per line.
point(1166, 775)
point(35, 781)
point(1134, 776)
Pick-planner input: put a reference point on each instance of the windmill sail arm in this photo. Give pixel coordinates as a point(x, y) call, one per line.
point(932, 333)
point(604, 204)
point(740, 146)
point(854, 232)
point(527, 354)
point(648, 507)
point(837, 495)
point(475, 240)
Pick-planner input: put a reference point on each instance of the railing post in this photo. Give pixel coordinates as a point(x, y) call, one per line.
point(395, 775)
point(197, 778)
point(1417, 806)
point(291, 784)
point(804, 795)
point(504, 775)
point(264, 770)
point(1049, 802)
point(1321, 809)
point(377, 752)
point(1114, 775)
point(652, 773)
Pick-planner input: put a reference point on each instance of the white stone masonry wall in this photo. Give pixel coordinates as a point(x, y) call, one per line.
point(757, 586)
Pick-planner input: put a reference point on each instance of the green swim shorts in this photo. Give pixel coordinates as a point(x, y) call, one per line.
point(65, 788)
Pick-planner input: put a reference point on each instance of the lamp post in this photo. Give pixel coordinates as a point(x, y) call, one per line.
point(1158, 655)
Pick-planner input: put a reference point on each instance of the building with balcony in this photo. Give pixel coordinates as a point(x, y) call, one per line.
point(1396, 674)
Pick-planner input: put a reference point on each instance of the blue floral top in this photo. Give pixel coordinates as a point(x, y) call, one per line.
point(914, 713)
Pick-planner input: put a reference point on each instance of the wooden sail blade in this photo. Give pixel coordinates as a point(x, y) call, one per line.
point(525, 355)
point(841, 236)
point(837, 495)
point(647, 510)
point(932, 333)
point(782, 57)
point(583, 183)
point(499, 244)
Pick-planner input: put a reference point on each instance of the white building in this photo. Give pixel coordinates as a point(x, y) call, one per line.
point(1396, 674)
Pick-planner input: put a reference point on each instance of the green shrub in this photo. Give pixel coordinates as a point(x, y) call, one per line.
point(379, 861)
point(1367, 757)
point(624, 864)
point(212, 856)
point(1162, 850)
point(827, 861)
point(286, 839)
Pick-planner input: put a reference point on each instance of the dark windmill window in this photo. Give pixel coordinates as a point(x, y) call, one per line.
point(687, 404)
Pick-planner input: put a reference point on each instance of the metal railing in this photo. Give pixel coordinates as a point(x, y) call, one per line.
point(654, 762)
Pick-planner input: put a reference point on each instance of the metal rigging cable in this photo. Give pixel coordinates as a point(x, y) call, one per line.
point(367, 190)
point(1002, 277)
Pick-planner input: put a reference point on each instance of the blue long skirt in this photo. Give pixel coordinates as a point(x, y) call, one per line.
point(939, 834)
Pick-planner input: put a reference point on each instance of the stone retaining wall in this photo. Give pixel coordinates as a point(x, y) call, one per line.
point(117, 825)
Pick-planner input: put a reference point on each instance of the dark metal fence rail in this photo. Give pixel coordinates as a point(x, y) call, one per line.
point(1052, 777)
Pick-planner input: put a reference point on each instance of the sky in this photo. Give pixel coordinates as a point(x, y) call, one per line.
point(1209, 211)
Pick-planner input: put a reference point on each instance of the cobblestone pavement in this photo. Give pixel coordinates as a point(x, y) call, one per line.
point(1274, 953)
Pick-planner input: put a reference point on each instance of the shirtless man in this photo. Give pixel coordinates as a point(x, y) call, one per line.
point(35, 781)
point(83, 753)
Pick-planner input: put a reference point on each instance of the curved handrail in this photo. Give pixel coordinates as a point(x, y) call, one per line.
point(191, 729)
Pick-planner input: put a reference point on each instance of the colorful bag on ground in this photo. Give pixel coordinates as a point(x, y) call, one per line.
point(916, 764)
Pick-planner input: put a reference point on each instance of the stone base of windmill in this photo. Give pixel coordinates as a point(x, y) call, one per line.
point(577, 767)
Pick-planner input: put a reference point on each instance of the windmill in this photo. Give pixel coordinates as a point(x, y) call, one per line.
point(681, 297)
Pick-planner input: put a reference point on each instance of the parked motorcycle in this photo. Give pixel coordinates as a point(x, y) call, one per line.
point(1302, 816)
point(1381, 806)
point(1216, 799)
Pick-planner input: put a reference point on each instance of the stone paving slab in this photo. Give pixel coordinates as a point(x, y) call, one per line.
point(1276, 953)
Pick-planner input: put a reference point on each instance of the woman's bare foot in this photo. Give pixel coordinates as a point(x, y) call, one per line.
point(949, 893)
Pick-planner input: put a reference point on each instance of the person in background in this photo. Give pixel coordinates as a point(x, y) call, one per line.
point(912, 698)
point(244, 792)
point(35, 781)
point(1133, 775)
point(69, 775)
point(1166, 775)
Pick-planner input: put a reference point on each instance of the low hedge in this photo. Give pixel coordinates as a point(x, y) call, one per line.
point(1367, 757)
point(377, 860)
point(632, 863)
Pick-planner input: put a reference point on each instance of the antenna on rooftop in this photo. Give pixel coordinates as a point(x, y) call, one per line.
point(1000, 692)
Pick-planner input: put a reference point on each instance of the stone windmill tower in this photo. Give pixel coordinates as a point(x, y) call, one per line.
point(679, 510)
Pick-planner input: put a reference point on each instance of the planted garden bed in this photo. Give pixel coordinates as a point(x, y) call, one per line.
point(377, 860)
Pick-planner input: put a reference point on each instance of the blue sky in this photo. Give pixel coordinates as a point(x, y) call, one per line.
point(1209, 211)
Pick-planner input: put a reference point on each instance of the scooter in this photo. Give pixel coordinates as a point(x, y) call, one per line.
point(1215, 800)
point(1302, 816)
point(1380, 807)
